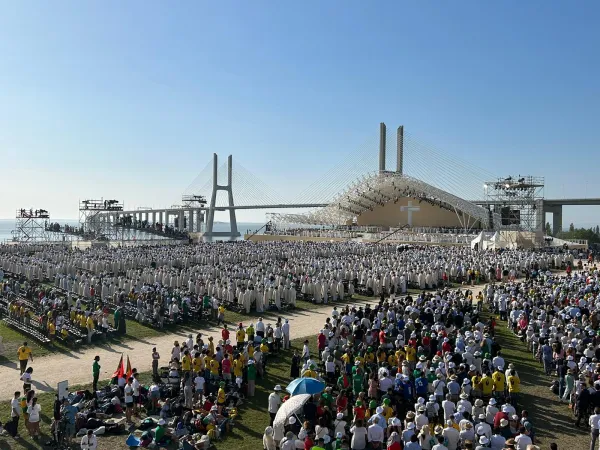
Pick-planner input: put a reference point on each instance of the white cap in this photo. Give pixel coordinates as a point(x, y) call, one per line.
point(277, 388)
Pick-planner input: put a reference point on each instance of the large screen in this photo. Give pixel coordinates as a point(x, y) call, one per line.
point(510, 216)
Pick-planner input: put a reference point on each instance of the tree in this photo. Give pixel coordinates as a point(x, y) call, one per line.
point(571, 227)
point(597, 230)
point(548, 229)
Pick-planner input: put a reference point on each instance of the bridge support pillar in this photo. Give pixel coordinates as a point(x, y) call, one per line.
point(210, 233)
point(556, 211)
point(190, 224)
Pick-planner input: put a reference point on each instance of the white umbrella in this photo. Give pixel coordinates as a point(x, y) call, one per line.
point(290, 407)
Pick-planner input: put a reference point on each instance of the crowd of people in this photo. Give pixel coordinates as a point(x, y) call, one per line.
point(415, 372)
point(408, 372)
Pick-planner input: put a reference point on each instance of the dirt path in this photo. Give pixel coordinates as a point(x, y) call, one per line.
point(76, 366)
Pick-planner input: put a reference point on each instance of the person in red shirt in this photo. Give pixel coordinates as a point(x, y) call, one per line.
point(321, 341)
point(359, 411)
point(382, 337)
point(446, 346)
point(341, 402)
point(226, 367)
point(498, 417)
point(225, 333)
point(308, 443)
point(426, 341)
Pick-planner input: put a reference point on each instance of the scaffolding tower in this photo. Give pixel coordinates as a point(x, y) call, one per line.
point(194, 201)
point(515, 202)
point(98, 217)
point(31, 225)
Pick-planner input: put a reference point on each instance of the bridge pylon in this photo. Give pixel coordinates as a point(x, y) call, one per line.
point(210, 233)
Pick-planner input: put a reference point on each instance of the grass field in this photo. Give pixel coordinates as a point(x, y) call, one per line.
point(246, 435)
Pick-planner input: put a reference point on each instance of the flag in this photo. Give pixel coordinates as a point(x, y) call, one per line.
point(120, 369)
point(128, 371)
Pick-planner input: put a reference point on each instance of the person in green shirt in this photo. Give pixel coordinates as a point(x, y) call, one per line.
point(160, 432)
point(96, 372)
point(207, 304)
point(357, 382)
point(117, 320)
point(250, 333)
point(320, 445)
point(251, 377)
point(326, 396)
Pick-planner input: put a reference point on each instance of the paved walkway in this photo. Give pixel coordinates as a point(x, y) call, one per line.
point(76, 366)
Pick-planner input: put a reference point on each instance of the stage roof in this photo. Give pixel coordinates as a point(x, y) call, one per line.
point(377, 189)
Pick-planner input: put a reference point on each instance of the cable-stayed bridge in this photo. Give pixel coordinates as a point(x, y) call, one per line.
point(229, 186)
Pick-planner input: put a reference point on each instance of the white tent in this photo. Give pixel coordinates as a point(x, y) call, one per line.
point(478, 242)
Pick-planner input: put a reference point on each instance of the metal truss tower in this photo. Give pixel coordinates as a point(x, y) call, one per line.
point(516, 202)
point(210, 233)
point(31, 225)
point(194, 204)
point(97, 219)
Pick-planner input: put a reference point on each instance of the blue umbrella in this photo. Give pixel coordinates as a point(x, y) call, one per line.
point(305, 386)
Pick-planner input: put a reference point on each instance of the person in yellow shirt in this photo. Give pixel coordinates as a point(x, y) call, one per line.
point(264, 348)
point(499, 381)
point(207, 360)
point(186, 361)
point(211, 346)
point(51, 330)
point(90, 327)
point(400, 356)
point(381, 357)
point(360, 360)
point(309, 373)
point(369, 356)
point(214, 369)
point(25, 354)
point(240, 336)
point(514, 387)
point(250, 351)
point(487, 385)
point(476, 386)
point(198, 363)
point(221, 397)
point(411, 356)
point(221, 315)
point(238, 367)
point(392, 360)
point(82, 321)
point(388, 412)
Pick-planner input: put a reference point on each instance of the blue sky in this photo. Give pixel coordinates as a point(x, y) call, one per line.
point(130, 99)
